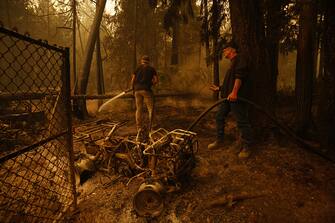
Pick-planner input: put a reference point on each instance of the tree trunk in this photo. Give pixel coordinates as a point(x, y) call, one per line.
point(135, 38)
point(305, 66)
point(273, 26)
point(207, 32)
point(326, 105)
point(9, 23)
point(74, 60)
point(81, 109)
point(216, 67)
point(175, 43)
point(216, 58)
point(165, 52)
point(322, 57)
point(154, 36)
point(80, 39)
point(48, 18)
point(100, 74)
point(248, 32)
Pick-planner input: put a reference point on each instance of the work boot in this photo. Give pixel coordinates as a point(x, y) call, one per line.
point(215, 145)
point(244, 153)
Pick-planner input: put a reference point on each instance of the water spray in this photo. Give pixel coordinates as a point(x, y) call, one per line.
point(114, 98)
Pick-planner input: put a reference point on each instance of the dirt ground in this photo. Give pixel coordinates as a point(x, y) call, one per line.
point(282, 182)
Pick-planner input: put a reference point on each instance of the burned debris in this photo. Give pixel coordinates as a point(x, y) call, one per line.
point(162, 160)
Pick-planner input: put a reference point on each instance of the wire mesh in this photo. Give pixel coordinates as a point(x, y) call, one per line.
point(36, 164)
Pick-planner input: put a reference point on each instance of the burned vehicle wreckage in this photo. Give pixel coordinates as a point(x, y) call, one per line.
point(161, 159)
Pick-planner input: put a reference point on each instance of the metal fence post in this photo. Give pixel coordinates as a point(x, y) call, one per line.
point(67, 88)
point(37, 178)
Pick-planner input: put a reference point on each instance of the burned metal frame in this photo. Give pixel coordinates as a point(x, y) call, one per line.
point(174, 142)
point(170, 159)
point(161, 161)
point(85, 132)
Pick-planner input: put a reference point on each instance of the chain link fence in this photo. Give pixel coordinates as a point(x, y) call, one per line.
point(36, 156)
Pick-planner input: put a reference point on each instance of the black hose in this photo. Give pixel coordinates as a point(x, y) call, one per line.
point(205, 112)
point(284, 128)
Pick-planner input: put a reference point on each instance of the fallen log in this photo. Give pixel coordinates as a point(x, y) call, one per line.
point(108, 96)
point(230, 199)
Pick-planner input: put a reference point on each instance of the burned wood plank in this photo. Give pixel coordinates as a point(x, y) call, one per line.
point(107, 96)
point(35, 116)
point(18, 96)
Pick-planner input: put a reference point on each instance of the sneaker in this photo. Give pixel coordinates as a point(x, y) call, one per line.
point(244, 153)
point(215, 145)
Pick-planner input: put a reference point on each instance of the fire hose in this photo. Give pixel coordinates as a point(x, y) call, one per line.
point(284, 128)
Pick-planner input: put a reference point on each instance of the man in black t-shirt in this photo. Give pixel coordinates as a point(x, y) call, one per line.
point(235, 85)
point(144, 77)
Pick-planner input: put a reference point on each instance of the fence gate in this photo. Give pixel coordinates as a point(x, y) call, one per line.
point(36, 156)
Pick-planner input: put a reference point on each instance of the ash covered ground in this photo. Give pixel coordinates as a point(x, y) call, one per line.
point(280, 182)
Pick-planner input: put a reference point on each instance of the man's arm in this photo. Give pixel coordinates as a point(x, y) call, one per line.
point(132, 80)
point(154, 79)
point(240, 73)
point(237, 85)
point(214, 87)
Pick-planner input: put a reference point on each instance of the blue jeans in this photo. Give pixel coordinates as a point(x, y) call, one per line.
point(240, 111)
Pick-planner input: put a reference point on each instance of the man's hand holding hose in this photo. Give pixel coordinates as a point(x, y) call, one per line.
point(214, 88)
point(233, 94)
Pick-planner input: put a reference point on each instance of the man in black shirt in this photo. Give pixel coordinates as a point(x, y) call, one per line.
point(235, 85)
point(142, 80)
